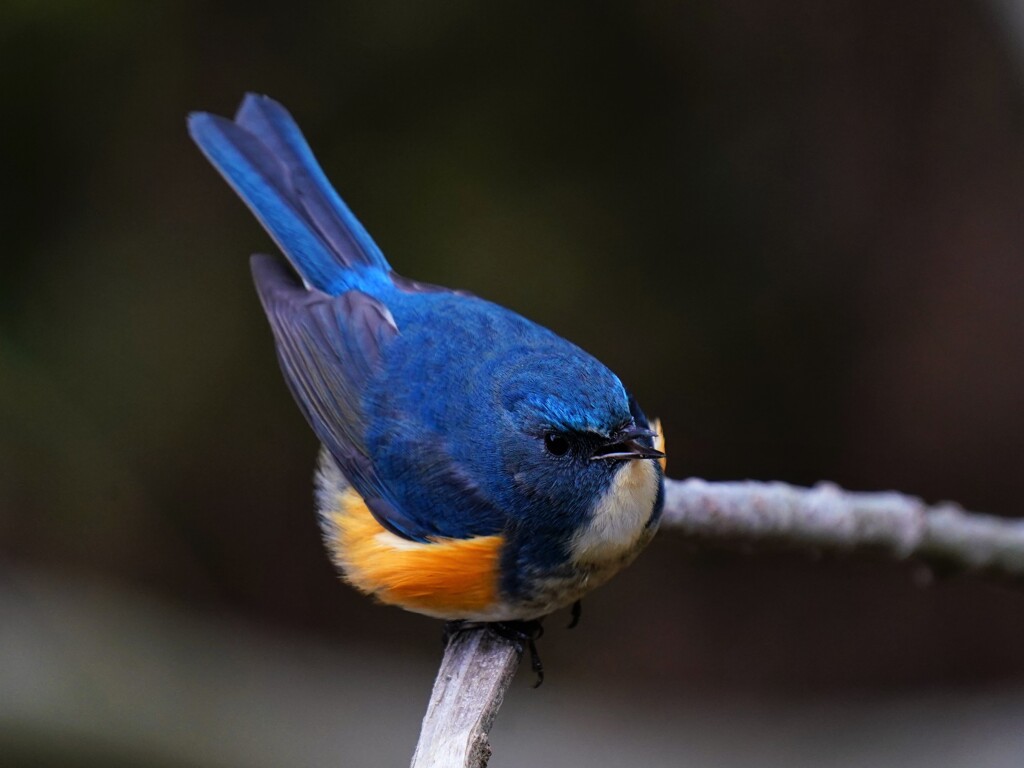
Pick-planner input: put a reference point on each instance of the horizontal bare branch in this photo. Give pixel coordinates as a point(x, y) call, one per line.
point(827, 517)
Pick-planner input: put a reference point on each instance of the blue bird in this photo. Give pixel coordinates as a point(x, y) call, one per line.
point(474, 465)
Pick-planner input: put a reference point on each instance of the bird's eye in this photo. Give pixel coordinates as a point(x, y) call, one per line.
point(556, 444)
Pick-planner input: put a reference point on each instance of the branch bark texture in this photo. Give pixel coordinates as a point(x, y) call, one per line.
point(478, 665)
point(827, 517)
point(477, 668)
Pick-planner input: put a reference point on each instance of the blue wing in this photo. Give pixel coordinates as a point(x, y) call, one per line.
point(329, 348)
point(264, 157)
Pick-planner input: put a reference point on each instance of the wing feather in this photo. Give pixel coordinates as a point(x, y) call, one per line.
point(329, 348)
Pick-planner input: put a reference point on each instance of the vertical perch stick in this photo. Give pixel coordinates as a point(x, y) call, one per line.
point(476, 670)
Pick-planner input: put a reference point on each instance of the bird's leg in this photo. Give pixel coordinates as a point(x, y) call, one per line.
point(577, 611)
point(524, 634)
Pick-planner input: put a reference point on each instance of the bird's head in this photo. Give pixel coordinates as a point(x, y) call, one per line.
point(575, 443)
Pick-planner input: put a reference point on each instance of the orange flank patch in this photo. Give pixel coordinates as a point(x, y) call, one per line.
point(447, 578)
point(659, 442)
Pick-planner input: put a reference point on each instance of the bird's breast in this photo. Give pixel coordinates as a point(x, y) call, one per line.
point(461, 578)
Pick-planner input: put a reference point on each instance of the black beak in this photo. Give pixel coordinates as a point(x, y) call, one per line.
point(626, 445)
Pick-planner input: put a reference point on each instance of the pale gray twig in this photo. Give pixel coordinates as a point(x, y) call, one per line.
point(477, 667)
point(826, 517)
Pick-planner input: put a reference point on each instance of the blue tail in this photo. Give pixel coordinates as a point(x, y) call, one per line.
point(264, 157)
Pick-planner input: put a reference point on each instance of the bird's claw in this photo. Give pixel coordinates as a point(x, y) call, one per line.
point(522, 634)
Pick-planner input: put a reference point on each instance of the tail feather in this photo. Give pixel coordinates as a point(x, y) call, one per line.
point(264, 157)
point(274, 126)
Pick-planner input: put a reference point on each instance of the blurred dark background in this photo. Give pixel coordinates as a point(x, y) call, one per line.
point(794, 229)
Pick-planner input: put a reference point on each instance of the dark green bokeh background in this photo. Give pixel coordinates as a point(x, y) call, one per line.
point(794, 229)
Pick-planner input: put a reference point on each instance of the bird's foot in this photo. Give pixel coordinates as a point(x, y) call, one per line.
point(522, 634)
point(452, 628)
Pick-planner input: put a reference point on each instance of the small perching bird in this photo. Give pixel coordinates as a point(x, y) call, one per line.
point(474, 465)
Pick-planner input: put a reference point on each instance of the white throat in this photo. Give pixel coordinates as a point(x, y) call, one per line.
point(617, 527)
